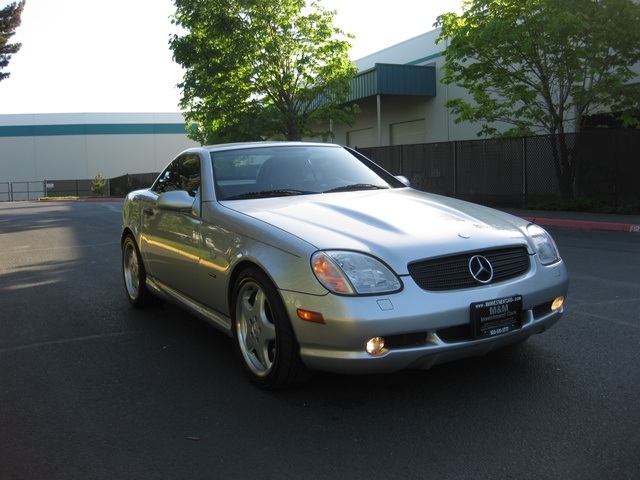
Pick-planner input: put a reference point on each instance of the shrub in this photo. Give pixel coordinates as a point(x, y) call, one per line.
point(99, 185)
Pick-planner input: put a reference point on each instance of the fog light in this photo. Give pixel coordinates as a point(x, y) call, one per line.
point(557, 304)
point(375, 346)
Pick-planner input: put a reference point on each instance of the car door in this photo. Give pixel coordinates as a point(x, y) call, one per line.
point(171, 239)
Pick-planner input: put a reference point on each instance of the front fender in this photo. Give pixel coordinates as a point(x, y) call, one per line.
point(133, 212)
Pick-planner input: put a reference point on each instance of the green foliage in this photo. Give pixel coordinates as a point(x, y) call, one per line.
point(540, 66)
point(10, 18)
point(257, 69)
point(585, 205)
point(99, 185)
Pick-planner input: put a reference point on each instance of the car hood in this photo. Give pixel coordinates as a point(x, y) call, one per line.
point(398, 226)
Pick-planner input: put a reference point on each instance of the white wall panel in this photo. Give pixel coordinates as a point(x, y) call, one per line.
point(17, 159)
point(74, 146)
point(61, 158)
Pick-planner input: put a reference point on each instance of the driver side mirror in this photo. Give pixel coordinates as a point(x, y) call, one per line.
point(176, 201)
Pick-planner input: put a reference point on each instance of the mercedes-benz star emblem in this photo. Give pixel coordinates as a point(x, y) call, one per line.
point(481, 269)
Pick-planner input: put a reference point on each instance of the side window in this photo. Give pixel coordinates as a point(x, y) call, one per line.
point(181, 174)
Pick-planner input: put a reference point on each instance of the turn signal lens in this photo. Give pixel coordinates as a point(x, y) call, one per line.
point(309, 316)
point(557, 304)
point(352, 273)
point(375, 346)
point(330, 276)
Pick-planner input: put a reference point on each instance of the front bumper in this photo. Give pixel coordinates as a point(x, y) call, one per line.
point(427, 328)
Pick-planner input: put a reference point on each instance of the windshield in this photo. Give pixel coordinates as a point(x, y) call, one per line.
point(274, 171)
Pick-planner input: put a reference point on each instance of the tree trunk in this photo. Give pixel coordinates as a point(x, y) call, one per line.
point(564, 161)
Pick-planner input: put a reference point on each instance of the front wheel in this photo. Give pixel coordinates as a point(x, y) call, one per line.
point(263, 333)
point(134, 275)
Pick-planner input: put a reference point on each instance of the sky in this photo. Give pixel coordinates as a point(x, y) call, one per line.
point(90, 56)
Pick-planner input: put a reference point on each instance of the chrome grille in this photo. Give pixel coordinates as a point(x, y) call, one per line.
point(452, 273)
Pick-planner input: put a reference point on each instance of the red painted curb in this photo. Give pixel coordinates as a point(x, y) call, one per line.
point(97, 199)
point(585, 225)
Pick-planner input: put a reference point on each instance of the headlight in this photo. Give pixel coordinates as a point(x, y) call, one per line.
point(544, 245)
point(351, 273)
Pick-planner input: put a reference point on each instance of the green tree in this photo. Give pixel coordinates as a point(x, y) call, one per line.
point(257, 69)
point(541, 66)
point(99, 185)
point(10, 18)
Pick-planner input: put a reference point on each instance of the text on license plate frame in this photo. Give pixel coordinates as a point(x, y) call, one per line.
point(496, 317)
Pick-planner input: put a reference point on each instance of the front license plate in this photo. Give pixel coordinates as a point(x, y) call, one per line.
point(496, 317)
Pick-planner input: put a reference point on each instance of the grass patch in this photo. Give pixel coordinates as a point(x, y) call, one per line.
point(44, 199)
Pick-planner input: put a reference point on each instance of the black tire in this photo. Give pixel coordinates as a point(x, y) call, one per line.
point(135, 275)
point(263, 335)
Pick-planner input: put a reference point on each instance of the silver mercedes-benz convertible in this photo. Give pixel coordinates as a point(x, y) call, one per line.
point(312, 257)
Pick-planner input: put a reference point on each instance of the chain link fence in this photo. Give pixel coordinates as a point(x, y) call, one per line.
point(5, 192)
point(115, 187)
point(511, 172)
point(515, 172)
point(609, 168)
point(69, 188)
point(21, 191)
point(120, 186)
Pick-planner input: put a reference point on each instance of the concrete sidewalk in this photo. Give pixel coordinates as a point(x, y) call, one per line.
point(581, 220)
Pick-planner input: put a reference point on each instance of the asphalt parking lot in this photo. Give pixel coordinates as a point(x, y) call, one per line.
point(92, 388)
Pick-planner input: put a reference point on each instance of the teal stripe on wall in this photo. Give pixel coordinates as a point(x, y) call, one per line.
point(425, 59)
point(93, 129)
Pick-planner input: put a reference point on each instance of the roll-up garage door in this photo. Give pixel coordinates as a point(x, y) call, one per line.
point(407, 133)
point(361, 138)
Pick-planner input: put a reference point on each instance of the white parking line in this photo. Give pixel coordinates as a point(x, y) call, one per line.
point(61, 342)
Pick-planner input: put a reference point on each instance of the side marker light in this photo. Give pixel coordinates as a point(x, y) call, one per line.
point(309, 316)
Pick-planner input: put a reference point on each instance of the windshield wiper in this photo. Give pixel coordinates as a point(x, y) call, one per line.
point(356, 186)
point(269, 193)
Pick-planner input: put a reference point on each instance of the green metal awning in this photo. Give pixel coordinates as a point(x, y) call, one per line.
point(393, 79)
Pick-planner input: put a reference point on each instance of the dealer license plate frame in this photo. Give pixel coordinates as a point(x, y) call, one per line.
point(496, 317)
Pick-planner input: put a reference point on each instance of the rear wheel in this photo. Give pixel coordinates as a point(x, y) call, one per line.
point(263, 333)
point(134, 275)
